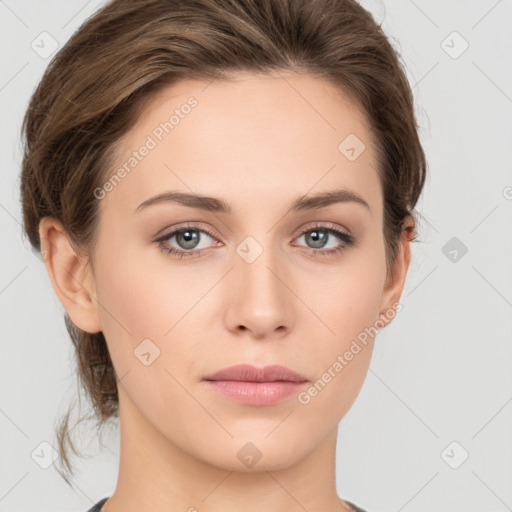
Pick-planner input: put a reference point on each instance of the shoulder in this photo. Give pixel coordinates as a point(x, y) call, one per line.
point(97, 507)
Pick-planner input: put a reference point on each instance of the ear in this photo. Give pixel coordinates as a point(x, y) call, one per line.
point(396, 279)
point(70, 275)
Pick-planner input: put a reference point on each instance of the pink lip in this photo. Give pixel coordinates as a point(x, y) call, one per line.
point(256, 386)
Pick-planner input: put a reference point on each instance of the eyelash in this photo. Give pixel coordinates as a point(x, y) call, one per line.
point(348, 241)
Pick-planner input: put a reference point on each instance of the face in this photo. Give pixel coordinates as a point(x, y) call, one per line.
point(262, 273)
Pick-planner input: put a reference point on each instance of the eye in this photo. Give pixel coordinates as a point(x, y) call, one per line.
point(319, 236)
point(188, 238)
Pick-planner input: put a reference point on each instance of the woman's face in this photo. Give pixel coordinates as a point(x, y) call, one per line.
point(255, 280)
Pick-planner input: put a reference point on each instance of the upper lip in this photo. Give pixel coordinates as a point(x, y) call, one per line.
point(248, 373)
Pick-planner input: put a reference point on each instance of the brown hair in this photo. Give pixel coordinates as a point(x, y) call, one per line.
point(96, 86)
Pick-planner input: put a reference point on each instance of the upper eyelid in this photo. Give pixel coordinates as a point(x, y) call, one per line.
point(172, 231)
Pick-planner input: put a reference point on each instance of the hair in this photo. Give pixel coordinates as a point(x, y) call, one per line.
point(97, 85)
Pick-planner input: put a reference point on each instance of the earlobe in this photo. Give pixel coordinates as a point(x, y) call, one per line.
point(70, 275)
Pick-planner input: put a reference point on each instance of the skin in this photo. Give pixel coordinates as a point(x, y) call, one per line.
point(180, 439)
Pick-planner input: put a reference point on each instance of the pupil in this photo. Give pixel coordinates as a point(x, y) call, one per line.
point(190, 238)
point(318, 240)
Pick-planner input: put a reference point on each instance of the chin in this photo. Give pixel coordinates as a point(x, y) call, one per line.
point(253, 454)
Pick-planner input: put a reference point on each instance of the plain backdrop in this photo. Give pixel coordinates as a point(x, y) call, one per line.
point(431, 428)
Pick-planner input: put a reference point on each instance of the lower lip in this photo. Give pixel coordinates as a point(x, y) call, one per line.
point(256, 393)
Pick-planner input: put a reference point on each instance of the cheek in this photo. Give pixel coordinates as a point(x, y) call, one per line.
point(132, 308)
point(344, 353)
point(348, 303)
point(349, 297)
point(149, 306)
point(143, 298)
point(146, 323)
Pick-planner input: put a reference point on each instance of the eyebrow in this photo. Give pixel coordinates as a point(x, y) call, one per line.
point(213, 204)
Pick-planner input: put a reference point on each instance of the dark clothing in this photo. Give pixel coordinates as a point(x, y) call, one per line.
point(355, 507)
point(97, 507)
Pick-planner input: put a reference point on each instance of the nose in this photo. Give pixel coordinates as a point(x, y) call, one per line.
point(260, 302)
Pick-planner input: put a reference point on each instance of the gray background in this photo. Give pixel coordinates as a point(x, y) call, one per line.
point(440, 382)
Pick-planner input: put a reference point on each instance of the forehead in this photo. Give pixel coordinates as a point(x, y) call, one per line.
point(251, 132)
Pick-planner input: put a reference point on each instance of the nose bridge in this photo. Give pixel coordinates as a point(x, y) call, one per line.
point(258, 266)
point(260, 299)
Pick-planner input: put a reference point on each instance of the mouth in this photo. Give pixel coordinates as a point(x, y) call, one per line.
point(256, 386)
